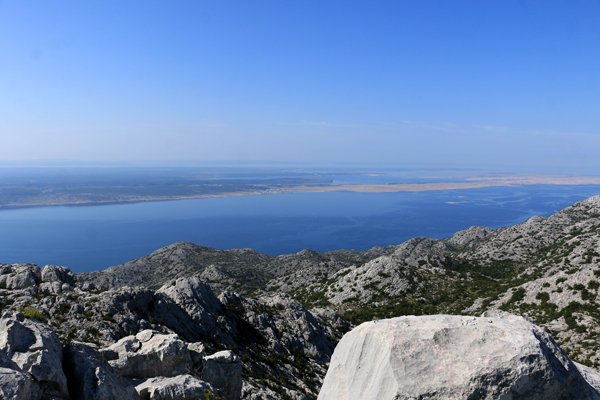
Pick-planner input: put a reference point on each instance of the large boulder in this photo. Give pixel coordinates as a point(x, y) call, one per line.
point(52, 273)
point(92, 378)
point(223, 370)
point(19, 276)
point(174, 388)
point(452, 357)
point(56, 279)
point(149, 354)
point(34, 349)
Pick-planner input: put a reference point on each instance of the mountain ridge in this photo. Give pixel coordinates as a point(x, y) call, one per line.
point(477, 269)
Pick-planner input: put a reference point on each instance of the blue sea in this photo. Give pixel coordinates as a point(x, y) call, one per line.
point(88, 238)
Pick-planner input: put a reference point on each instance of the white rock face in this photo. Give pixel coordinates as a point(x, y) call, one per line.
point(223, 370)
point(452, 357)
point(35, 350)
point(52, 273)
point(16, 277)
point(149, 354)
point(174, 388)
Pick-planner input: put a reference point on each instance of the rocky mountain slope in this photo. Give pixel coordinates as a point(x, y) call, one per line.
point(280, 347)
point(241, 270)
point(282, 316)
point(547, 269)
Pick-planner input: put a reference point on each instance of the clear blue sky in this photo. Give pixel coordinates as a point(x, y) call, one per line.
point(453, 83)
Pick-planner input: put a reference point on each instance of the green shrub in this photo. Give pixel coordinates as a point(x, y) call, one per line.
point(208, 395)
point(543, 296)
point(34, 313)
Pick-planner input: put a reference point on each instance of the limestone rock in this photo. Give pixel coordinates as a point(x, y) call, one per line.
point(35, 349)
point(197, 352)
point(198, 301)
point(92, 378)
point(452, 357)
point(591, 375)
point(291, 326)
point(52, 273)
point(174, 388)
point(15, 385)
point(149, 354)
point(19, 276)
point(223, 370)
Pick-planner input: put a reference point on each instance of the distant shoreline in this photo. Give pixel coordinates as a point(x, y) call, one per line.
point(468, 183)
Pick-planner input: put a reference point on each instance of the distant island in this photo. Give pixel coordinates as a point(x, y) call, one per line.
point(42, 187)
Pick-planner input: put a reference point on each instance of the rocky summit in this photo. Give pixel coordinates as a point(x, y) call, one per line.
point(189, 322)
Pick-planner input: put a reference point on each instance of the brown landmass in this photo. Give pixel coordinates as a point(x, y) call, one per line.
point(469, 183)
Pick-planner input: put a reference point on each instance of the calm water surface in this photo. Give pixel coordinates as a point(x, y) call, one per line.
point(94, 237)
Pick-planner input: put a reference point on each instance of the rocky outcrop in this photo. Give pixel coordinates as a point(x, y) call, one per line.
point(149, 354)
point(14, 277)
point(442, 356)
point(198, 301)
point(56, 279)
point(289, 326)
point(179, 387)
point(223, 370)
point(35, 350)
point(92, 378)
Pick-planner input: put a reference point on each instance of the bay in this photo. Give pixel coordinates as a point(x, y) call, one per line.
point(86, 238)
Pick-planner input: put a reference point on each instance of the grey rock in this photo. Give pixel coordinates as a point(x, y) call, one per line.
point(149, 354)
point(452, 357)
point(223, 370)
point(470, 236)
point(197, 352)
point(289, 325)
point(15, 276)
point(198, 301)
point(174, 388)
point(52, 273)
point(35, 349)
point(51, 287)
point(591, 375)
point(16, 385)
point(92, 378)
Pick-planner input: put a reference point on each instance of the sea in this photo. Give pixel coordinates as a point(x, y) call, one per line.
point(86, 238)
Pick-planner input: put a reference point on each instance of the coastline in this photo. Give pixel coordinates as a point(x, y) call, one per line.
point(469, 183)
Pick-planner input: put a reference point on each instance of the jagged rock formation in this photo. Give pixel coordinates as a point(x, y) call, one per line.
point(452, 357)
point(128, 338)
point(34, 366)
point(91, 377)
point(545, 268)
point(149, 354)
point(34, 350)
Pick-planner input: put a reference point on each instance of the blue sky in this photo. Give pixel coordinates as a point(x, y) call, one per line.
point(446, 83)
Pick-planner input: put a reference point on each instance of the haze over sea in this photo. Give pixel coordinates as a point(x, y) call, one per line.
point(93, 237)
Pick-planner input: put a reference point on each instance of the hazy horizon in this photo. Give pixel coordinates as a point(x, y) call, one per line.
point(471, 84)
